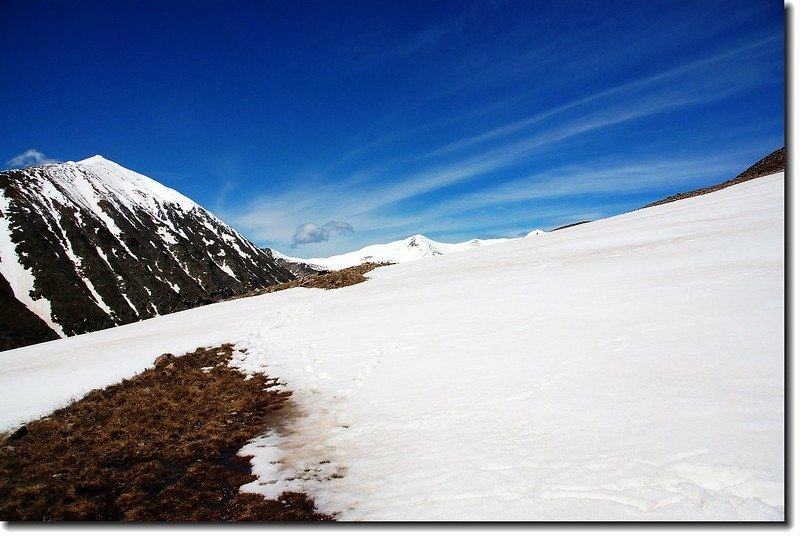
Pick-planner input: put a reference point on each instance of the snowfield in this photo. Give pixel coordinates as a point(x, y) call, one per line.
point(626, 369)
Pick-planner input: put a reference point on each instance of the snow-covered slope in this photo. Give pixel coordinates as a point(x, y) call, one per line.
point(408, 249)
point(90, 244)
point(625, 369)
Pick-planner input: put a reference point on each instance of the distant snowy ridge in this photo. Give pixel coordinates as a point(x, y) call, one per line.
point(89, 245)
point(408, 249)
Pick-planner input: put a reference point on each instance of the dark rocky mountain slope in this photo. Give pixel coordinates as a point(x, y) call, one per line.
point(90, 245)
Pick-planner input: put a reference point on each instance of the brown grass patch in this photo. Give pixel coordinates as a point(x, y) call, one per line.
point(329, 280)
point(158, 447)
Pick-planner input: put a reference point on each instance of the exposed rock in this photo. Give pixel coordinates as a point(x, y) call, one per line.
point(19, 433)
point(164, 359)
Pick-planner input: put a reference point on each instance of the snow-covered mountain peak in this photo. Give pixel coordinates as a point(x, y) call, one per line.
point(132, 186)
point(419, 237)
point(409, 249)
point(416, 240)
point(96, 159)
point(423, 243)
point(98, 245)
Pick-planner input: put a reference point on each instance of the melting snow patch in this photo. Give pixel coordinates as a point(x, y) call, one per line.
point(167, 236)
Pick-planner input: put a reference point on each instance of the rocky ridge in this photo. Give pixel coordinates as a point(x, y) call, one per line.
point(773, 163)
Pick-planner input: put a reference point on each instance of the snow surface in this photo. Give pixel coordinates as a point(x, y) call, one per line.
point(402, 251)
point(626, 369)
point(134, 188)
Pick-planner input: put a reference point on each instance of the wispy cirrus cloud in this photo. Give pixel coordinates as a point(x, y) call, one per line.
point(31, 157)
point(615, 106)
point(364, 199)
point(722, 85)
point(442, 176)
point(587, 180)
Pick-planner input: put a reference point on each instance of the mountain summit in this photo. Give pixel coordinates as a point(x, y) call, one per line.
point(409, 249)
point(89, 245)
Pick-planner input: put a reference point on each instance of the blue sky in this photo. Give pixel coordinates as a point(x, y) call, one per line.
point(383, 119)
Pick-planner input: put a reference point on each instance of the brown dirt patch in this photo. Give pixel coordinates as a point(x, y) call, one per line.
point(160, 446)
point(329, 280)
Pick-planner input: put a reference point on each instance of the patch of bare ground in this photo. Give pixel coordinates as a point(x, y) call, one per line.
point(160, 446)
point(328, 280)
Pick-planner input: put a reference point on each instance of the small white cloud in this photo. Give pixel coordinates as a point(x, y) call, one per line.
point(310, 232)
point(31, 157)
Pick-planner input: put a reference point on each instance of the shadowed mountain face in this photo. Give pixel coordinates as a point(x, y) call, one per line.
point(91, 245)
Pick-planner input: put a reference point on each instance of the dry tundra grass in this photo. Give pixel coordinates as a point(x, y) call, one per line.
point(329, 280)
point(158, 447)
